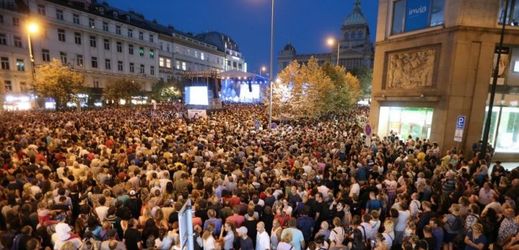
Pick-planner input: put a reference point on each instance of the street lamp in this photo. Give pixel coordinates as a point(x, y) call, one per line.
point(263, 69)
point(331, 41)
point(271, 58)
point(32, 28)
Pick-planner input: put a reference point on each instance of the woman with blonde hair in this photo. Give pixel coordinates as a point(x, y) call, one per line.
point(275, 234)
point(208, 240)
point(337, 234)
point(284, 244)
point(389, 234)
point(475, 239)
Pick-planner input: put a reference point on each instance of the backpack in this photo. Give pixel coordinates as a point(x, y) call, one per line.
point(366, 243)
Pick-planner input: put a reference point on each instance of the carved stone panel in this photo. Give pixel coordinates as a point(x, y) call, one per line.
point(410, 69)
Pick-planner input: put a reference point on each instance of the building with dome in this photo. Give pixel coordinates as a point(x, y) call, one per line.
point(356, 49)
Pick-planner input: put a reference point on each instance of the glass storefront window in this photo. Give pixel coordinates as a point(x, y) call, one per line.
point(405, 121)
point(504, 129)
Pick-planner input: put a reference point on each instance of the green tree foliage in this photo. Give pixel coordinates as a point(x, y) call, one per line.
point(365, 76)
point(310, 90)
point(58, 81)
point(121, 89)
point(166, 90)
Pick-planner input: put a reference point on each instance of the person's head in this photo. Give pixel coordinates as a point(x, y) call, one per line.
point(388, 226)
point(260, 227)
point(337, 222)
point(286, 237)
point(427, 231)
point(324, 225)
point(477, 228)
point(33, 244)
point(435, 222)
point(242, 232)
point(292, 222)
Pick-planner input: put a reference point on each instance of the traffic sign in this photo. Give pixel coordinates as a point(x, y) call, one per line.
point(460, 122)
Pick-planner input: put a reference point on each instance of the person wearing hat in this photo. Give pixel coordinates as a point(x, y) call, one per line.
point(64, 235)
point(245, 240)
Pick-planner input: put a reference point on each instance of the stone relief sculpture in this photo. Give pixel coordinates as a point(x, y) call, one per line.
point(410, 69)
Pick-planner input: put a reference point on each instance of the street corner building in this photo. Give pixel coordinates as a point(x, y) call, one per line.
point(433, 71)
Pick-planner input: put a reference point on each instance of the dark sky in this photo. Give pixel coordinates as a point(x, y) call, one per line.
point(304, 23)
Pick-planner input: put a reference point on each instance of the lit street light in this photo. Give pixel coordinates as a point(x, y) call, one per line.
point(263, 69)
point(32, 28)
point(331, 41)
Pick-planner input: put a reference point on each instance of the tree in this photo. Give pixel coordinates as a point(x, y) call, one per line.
point(311, 90)
point(121, 88)
point(346, 89)
point(166, 90)
point(365, 76)
point(58, 81)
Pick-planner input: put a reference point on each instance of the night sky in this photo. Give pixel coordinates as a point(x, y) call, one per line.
point(304, 23)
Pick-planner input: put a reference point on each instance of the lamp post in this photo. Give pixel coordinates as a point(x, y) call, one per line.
point(331, 42)
point(32, 28)
point(271, 59)
point(484, 145)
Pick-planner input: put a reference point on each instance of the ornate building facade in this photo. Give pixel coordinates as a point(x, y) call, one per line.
point(355, 51)
point(433, 65)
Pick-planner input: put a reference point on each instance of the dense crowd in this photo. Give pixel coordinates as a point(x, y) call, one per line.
point(117, 178)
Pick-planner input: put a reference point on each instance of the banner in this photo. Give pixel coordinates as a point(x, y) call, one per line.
point(185, 226)
point(417, 14)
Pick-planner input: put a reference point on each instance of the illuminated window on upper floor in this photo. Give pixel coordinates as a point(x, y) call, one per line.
point(411, 15)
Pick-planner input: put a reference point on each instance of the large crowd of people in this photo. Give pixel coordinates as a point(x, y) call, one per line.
point(117, 179)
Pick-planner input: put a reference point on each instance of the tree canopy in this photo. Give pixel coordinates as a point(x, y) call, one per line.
point(58, 81)
point(311, 90)
point(121, 88)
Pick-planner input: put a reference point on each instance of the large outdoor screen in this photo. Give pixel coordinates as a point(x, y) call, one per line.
point(196, 95)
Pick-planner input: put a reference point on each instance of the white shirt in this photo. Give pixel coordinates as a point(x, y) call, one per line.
point(388, 239)
point(354, 190)
point(401, 222)
point(102, 211)
point(262, 241)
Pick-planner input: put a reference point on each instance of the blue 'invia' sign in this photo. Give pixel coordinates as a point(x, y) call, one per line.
point(417, 14)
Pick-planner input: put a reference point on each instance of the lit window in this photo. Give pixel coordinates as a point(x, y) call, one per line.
point(20, 65)
point(168, 63)
point(161, 61)
point(79, 60)
point(202, 56)
point(414, 15)
point(184, 66)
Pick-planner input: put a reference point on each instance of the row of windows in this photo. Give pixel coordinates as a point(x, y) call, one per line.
point(15, 21)
point(94, 62)
point(106, 44)
point(17, 40)
point(107, 27)
point(5, 65)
